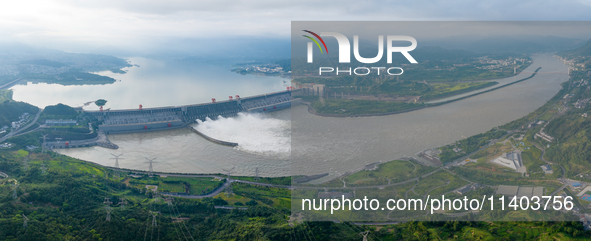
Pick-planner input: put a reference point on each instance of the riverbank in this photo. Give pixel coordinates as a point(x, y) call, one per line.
point(312, 110)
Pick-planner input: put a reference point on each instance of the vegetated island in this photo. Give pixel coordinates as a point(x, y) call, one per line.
point(51, 66)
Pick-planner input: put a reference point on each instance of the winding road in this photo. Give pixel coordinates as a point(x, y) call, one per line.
point(15, 133)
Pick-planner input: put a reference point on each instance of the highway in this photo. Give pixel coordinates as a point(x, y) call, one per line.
point(226, 184)
point(10, 83)
point(13, 133)
point(559, 189)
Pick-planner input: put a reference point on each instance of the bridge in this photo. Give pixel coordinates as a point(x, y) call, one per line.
point(161, 118)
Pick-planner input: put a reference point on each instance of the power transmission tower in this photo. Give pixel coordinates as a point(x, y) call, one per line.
point(108, 209)
point(364, 235)
point(156, 197)
point(168, 200)
point(150, 161)
point(228, 172)
point(43, 168)
point(25, 219)
point(122, 203)
point(154, 218)
point(117, 157)
point(108, 203)
point(14, 190)
point(256, 174)
point(26, 163)
point(43, 145)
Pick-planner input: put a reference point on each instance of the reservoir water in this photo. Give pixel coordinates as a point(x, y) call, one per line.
point(154, 83)
point(316, 144)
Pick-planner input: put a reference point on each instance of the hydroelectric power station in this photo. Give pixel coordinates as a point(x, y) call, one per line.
point(162, 118)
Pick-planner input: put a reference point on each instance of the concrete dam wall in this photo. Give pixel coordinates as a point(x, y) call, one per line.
point(161, 118)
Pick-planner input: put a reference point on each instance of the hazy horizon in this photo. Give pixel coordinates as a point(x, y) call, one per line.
point(189, 28)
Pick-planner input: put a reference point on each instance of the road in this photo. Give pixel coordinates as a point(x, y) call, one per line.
point(13, 133)
point(226, 184)
point(215, 192)
point(542, 157)
point(10, 83)
point(559, 189)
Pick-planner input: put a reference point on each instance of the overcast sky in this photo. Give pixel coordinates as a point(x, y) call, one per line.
point(141, 25)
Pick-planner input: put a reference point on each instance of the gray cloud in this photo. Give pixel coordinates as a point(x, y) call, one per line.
point(139, 25)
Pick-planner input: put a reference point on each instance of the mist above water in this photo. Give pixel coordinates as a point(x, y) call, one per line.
point(254, 133)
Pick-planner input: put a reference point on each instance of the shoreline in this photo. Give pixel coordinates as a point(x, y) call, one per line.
point(313, 111)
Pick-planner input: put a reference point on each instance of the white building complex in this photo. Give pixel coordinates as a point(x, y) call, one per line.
point(544, 136)
point(511, 160)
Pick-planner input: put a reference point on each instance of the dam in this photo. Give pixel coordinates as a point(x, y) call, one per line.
point(162, 118)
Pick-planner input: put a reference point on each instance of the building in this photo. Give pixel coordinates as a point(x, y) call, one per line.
point(538, 192)
point(547, 169)
point(6, 145)
point(31, 147)
point(544, 136)
point(507, 191)
point(511, 160)
point(516, 191)
point(335, 195)
point(467, 188)
point(525, 192)
point(61, 122)
point(576, 184)
point(313, 89)
point(581, 103)
point(463, 190)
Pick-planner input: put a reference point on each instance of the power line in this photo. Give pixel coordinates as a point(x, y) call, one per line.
point(179, 214)
point(177, 217)
point(147, 221)
point(174, 224)
point(154, 214)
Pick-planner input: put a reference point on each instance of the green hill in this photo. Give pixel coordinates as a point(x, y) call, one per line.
point(5, 95)
point(11, 111)
point(584, 50)
point(66, 203)
point(44, 62)
point(59, 110)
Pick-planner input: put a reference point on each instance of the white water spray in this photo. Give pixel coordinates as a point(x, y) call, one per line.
point(254, 133)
